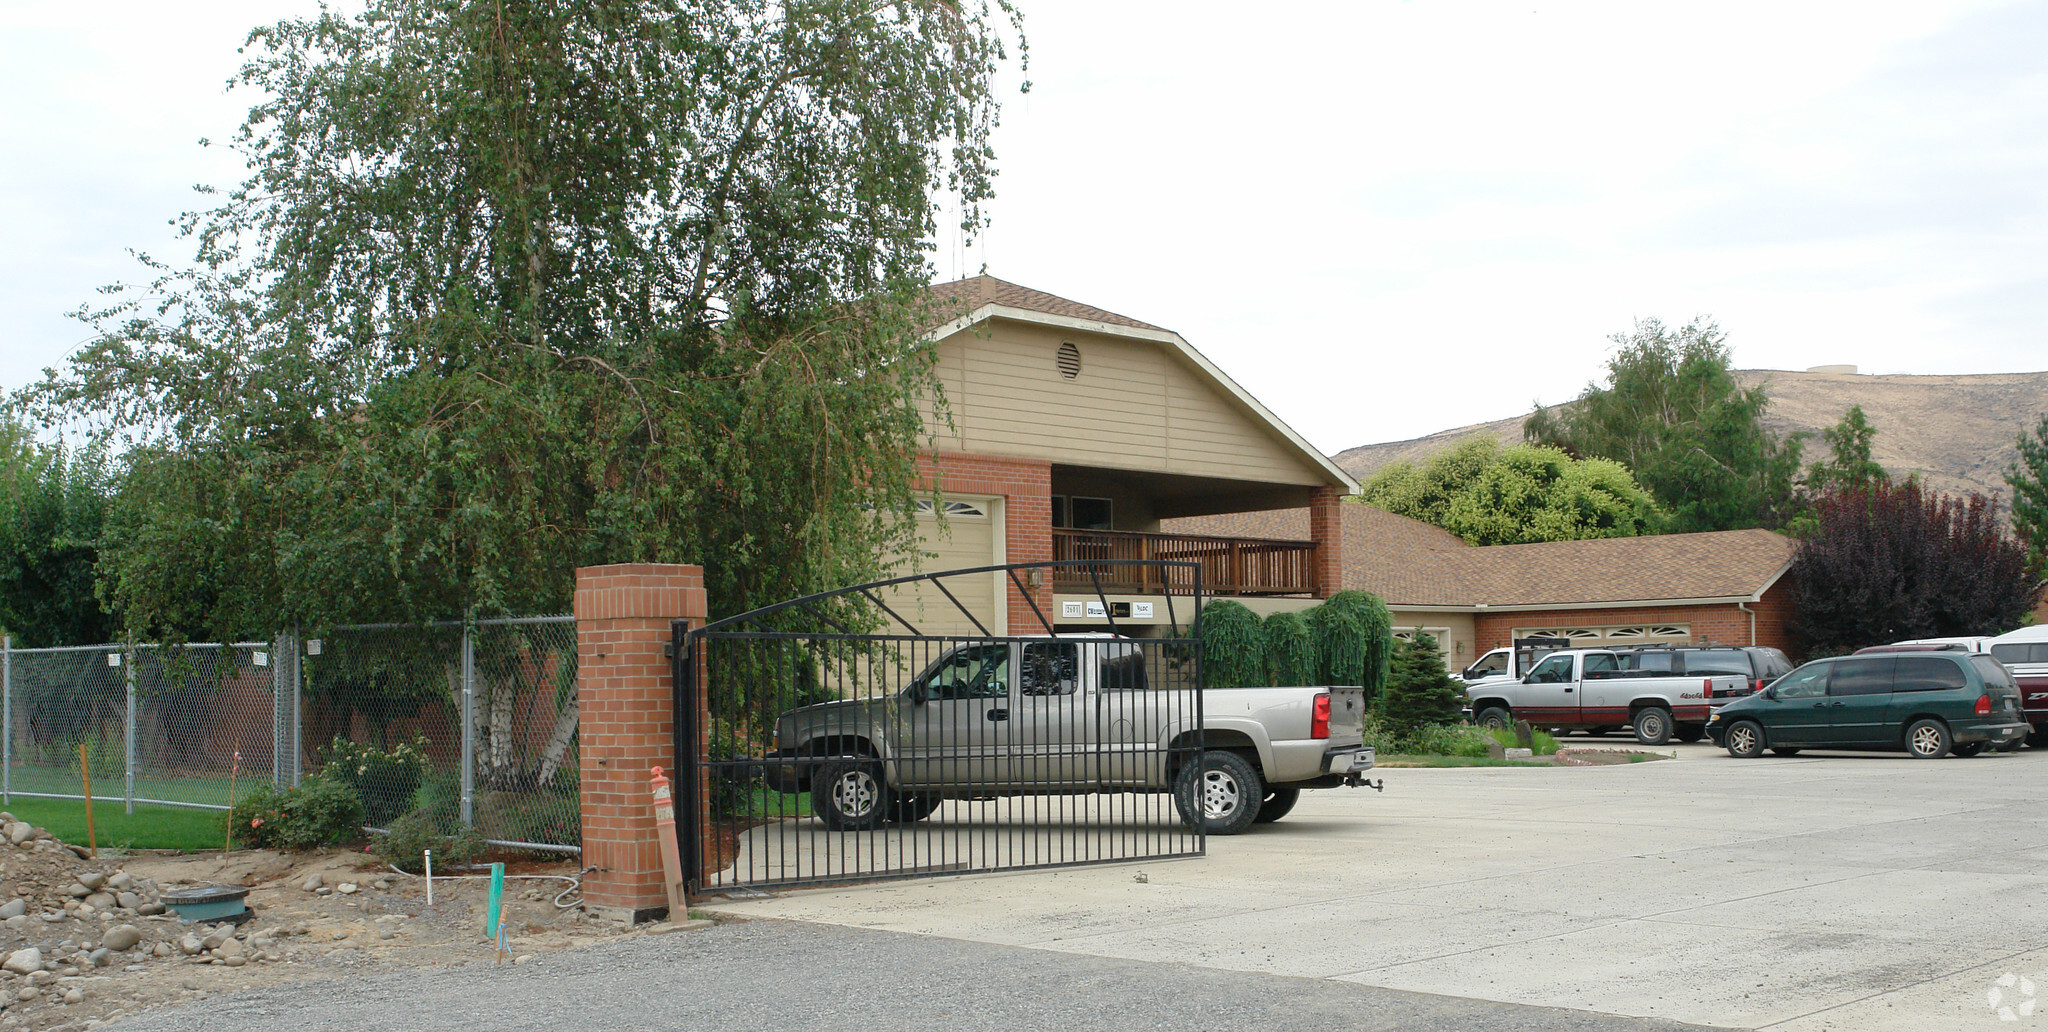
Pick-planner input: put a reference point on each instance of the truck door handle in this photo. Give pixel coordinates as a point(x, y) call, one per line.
point(998, 714)
point(1567, 691)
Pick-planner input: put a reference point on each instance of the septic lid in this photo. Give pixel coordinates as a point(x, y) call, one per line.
point(203, 894)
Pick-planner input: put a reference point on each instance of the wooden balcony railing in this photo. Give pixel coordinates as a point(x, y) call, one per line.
point(1230, 566)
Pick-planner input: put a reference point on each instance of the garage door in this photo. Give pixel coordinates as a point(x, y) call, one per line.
point(968, 535)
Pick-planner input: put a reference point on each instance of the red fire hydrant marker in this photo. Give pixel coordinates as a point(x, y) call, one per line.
point(671, 856)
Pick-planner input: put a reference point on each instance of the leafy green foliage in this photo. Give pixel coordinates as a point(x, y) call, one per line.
point(1290, 651)
point(1891, 563)
point(514, 289)
point(1420, 691)
point(2028, 478)
point(1848, 466)
point(1340, 645)
point(1542, 743)
point(1672, 412)
point(1233, 646)
point(317, 812)
point(385, 780)
point(410, 836)
point(53, 508)
point(1491, 495)
point(1376, 629)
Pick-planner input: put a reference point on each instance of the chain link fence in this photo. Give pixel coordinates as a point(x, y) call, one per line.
point(469, 724)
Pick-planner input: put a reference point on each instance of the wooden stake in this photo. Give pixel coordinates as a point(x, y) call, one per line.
point(92, 841)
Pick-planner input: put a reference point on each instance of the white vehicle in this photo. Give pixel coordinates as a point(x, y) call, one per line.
point(1585, 689)
point(2025, 653)
point(1511, 663)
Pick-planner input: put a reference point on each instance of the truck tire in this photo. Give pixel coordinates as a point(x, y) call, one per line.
point(1690, 733)
point(2038, 737)
point(1968, 749)
point(1278, 802)
point(849, 795)
point(1494, 718)
point(914, 807)
point(1928, 739)
point(1223, 791)
point(1653, 725)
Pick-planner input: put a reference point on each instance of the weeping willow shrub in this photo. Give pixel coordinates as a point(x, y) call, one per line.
point(1290, 651)
point(1233, 647)
point(1377, 627)
point(1339, 643)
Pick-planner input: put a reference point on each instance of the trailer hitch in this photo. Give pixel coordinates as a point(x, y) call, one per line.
point(1359, 781)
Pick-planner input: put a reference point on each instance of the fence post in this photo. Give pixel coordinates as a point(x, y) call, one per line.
point(298, 712)
point(468, 726)
point(128, 664)
point(7, 719)
point(282, 655)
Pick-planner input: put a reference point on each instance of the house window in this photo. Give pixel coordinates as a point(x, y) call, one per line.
point(953, 510)
point(1090, 513)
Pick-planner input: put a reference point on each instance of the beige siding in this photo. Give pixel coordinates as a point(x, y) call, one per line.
point(1134, 406)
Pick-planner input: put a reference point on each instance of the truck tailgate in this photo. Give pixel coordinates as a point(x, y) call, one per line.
point(1347, 715)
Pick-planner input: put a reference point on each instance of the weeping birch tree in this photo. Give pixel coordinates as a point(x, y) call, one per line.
point(519, 286)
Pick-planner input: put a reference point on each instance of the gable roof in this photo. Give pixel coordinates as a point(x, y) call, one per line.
point(1409, 563)
point(966, 302)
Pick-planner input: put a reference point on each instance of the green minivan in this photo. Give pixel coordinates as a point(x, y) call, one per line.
point(1928, 703)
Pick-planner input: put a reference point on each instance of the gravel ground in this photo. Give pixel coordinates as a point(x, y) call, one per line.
point(794, 977)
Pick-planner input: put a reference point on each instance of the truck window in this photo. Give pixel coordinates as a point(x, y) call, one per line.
point(1050, 668)
point(1555, 670)
point(1601, 664)
point(1491, 663)
point(1122, 670)
point(1730, 662)
point(1648, 662)
point(972, 672)
point(2021, 652)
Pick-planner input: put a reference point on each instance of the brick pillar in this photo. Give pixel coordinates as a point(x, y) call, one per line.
point(1326, 529)
point(624, 688)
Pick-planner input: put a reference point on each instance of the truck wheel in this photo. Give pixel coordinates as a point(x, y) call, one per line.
point(1598, 732)
point(1690, 733)
point(2038, 737)
point(1278, 802)
point(848, 795)
point(1928, 739)
point(1968, 749)
point(913, 808)
point(1223, 791)
point(1653, 725)
point(1745, 739)
point(1493, 718)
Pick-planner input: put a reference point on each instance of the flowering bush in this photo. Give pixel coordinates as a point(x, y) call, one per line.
point(315, 813)
point(385, 780)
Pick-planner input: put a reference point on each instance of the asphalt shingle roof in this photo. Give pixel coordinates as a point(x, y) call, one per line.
point(1407, 562)
point(975, 291)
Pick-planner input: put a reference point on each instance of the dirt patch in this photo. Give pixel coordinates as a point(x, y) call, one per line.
point(89, 940)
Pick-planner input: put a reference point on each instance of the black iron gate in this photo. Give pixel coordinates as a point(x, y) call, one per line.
point(887, 730)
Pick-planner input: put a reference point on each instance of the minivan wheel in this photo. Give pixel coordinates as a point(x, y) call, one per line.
point(1653, 725)
point(1782, 751)
point(1745, 739)
point(1968, 749)
point(1493, 718)
point(1927, 739)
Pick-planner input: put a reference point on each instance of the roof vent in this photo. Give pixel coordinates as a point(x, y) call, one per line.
point(1070, 360)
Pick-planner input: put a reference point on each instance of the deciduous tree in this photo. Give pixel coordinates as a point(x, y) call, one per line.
point(2028, 478)
point(1491, 495)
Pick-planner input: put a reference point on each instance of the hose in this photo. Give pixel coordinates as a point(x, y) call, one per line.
point(575, 881)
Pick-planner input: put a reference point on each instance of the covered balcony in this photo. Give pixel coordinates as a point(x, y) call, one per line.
point(1229, 565)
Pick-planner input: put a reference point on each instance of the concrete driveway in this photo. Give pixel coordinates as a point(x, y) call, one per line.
point(1827, 891)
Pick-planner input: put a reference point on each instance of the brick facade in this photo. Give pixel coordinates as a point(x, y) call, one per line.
point(625, 688)
point(1326, 529)
point(1723, 623)
point(1026, 489)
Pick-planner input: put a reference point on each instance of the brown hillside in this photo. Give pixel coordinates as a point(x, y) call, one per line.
point(1955, 431)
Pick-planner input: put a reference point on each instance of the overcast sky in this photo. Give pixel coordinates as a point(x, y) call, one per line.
point(1384, 219)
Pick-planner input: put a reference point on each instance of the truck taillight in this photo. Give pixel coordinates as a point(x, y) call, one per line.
point(1319, 725)
point(1759, 686)
point(1706, 687)
point(1983, 705)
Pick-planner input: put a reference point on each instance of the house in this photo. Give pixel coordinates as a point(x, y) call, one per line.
point(1727, 587)
point(1075, 433)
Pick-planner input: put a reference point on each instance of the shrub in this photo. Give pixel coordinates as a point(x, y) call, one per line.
point(415, 833)
point(1543, 743)
point(1420, 692)
point(1290, 651)
point(1340, 645)
point(316, 813)
point(1233, 649)
point(386, 781)
point(1376, 625)
point(1446, 740)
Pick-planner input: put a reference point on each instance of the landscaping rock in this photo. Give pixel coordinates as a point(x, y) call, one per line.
point(347, 888)
point(121, 880)
point(13, 908)
point(150, 909)
point(312, 882)
point(190, 945)
point(77, 891)
point(218, 937)
point(100, 958)
point(93, 879)
point(122, 937)
point(74, 996)
point(127, 900)
point(19, 832)
point(21, 962)
point(230, 948)
point(101, 900)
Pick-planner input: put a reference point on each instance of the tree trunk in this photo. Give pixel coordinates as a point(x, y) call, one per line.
point(558, 741)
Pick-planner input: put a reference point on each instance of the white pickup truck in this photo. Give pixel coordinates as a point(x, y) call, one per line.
point(1073, 714)
point(1591, 689)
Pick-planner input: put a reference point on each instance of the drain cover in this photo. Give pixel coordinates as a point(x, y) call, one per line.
point(208, 902)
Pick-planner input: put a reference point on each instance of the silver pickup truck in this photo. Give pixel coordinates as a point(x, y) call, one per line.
point(1594, 689)
point(1074, 714)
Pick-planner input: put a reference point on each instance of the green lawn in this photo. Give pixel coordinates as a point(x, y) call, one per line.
point(150, 827)
point(64, 781)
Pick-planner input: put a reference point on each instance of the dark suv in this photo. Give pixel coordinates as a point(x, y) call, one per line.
point(1928, 703)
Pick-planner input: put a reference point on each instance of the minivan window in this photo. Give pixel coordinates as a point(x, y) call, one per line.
point(1927, 674)
point(1718, 663)
point(1992, 672)
point(1872, 676)
point(1804, 683)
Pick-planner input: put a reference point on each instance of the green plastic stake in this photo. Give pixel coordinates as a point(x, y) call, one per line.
point(497, 893)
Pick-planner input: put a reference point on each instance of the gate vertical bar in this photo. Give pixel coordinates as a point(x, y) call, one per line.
point(468, 726)
point(689, 775)
point(7, 719)
point(128, 663)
